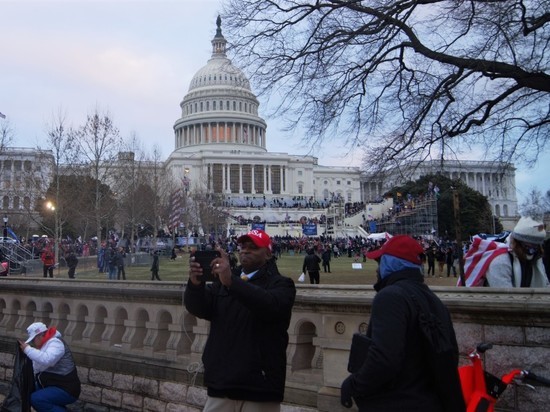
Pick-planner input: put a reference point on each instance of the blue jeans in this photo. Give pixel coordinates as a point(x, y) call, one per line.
point(51, 399)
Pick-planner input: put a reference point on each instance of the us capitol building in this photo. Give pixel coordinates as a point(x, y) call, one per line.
point(221, 148)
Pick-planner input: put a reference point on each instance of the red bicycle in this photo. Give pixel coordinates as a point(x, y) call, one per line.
point(481, 389)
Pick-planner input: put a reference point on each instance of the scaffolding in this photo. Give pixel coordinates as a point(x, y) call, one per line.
point(418, 221)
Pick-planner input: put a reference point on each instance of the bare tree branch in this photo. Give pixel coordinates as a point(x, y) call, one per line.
point(399, 77)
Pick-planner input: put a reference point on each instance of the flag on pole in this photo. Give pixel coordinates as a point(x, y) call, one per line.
point(2, 115)
point(478, 258)
point(175, 208)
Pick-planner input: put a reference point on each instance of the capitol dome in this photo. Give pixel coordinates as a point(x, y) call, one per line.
point(219, 71)
point(219, 108)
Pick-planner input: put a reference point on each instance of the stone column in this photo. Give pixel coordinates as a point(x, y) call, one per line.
point(241, 178)
point(282, 178)
point(23, 319)
point(111, 325)
point(201, 331)
point(150, 337)
point(269, 180)
point(176, 336)
point(73, 321)
point(253, 180)
point(89, 335)
point(229, 178)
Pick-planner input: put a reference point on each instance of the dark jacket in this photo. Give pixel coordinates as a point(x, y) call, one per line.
point(72, 260)
point(120, 259)
point(155, 265)
point(245, 354)
point(311, 263)
point(22, 384)
point(395, 376)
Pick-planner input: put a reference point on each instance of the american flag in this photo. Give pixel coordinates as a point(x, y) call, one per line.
point(478, 258)
point(176, 204)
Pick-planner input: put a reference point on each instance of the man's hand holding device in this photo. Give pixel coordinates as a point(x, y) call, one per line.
point(207, 265)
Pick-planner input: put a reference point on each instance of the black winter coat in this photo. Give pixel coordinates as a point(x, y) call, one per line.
point(22, 384)
point(245, 354)
point(395, 375)
point(311, 263)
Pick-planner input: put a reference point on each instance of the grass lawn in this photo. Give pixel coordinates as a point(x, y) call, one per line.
point(291, 266)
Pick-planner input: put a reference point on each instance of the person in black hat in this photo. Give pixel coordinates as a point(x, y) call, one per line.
point(249, 310)
point(400, 371)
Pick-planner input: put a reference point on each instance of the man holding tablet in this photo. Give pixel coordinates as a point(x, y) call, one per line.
point(249, 310)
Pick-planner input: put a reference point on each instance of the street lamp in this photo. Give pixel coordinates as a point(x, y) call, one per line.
point(52, 207)
point(5, 225)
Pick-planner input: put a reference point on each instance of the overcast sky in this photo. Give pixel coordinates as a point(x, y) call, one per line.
point(132, 58)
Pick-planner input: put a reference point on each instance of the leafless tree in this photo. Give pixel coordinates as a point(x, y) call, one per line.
point(60, 142)
point(98, 142)
point(536, 204)
point(204, 212)
point(6, 134)
point(131, 175)
point(402, 79)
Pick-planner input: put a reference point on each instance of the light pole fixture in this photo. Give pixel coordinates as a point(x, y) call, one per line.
point(51, 206)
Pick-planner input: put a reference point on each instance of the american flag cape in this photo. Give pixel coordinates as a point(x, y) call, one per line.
point(478, 258)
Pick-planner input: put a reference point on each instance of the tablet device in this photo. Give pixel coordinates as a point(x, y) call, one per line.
point(205, 257)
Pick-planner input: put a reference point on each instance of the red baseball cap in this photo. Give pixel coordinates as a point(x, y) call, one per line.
point(401, 246)
point(258, 237)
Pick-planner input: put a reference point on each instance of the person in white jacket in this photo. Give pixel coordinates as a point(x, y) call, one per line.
point(56, 378)
point(522, 266)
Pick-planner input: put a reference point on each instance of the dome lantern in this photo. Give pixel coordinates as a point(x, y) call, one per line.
point(218, 42)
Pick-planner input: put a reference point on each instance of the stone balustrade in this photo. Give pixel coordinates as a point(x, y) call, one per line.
point(137, 347)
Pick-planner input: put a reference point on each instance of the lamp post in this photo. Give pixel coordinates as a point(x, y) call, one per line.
point(5, 226)
point(52, 207)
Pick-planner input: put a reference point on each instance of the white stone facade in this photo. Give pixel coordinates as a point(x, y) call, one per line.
point(25, 174)
point(495, 180)
point(220, 144)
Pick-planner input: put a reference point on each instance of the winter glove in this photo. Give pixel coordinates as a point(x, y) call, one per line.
point(345, 393)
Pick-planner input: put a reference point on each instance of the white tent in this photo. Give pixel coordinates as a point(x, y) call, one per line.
point(379, 236)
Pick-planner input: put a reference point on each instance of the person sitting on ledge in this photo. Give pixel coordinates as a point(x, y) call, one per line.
point(56, 378)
